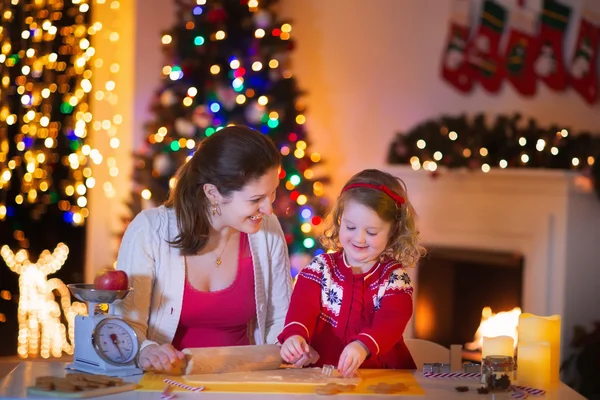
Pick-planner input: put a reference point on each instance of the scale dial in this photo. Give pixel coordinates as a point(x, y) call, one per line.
point(115, 341)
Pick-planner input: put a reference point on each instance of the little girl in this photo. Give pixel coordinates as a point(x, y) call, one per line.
point(352, 305)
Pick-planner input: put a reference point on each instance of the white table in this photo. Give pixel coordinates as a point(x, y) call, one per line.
point(15, 384)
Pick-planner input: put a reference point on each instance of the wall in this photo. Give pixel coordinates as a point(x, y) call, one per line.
point(373, 70)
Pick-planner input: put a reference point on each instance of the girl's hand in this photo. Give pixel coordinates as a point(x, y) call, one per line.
point(311, 358)
point(294, 348)
point(353, 355)
point(161, 359)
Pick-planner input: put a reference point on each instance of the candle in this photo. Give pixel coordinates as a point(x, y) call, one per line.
point(498, 346)
point(534, 366)
point(535, 329)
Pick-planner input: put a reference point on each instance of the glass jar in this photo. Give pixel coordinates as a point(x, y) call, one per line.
point(498, 373)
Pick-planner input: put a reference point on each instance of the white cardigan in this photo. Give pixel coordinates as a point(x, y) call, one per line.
point(156, 271)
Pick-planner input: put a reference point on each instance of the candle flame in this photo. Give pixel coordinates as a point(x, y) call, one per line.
point(503, 323)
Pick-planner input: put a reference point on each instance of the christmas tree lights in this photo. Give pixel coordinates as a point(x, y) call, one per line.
point(47, 65)
point(45, 155)
point(228, 63)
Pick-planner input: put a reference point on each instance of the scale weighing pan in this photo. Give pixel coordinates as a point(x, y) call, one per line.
point(86, 292)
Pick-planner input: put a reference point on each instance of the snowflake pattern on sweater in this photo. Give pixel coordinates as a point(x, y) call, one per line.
point(321, 270)
point(398, 280)
point(331, 293)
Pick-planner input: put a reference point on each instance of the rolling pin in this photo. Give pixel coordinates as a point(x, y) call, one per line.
point(217, 360)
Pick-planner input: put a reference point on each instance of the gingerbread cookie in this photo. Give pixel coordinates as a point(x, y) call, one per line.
point(75, 382)
point(388, 388)
point(333, 388)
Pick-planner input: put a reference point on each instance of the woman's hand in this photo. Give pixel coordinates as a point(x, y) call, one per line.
point(163, 359)
point(294, 349)
point(353, 355)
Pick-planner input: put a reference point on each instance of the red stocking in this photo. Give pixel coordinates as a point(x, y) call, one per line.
point(455, 69)
point(484, 49)
point(521, 47)
point(583, 71)
point(549, 63)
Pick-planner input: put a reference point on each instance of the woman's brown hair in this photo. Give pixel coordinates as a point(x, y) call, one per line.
point(229, 159)
point(403, 242)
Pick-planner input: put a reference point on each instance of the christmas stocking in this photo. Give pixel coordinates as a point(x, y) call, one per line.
point(583, 71)
point(483, 52)
point(455, 69)
point(520, 49)
point(549, 62)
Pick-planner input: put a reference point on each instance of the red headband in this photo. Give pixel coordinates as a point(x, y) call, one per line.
point(382, 188)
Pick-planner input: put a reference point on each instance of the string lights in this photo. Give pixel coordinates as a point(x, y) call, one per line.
point(47, 65)
point(41, 331)
point(228, 64)
point(508, 142)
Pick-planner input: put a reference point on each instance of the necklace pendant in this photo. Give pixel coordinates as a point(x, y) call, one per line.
point(218, 261)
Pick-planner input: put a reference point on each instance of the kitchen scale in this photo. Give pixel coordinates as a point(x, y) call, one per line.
point(104, 344)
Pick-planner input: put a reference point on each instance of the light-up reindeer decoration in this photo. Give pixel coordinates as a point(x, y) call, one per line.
point(41, 331)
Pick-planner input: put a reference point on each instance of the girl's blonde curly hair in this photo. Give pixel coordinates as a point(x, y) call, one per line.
point(403, 243)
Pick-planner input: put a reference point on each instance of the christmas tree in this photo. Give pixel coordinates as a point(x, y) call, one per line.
point(227, 62)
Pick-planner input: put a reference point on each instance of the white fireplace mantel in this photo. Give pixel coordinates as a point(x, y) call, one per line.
point(541, 214)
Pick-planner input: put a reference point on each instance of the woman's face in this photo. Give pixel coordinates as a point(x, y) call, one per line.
point(243, 210)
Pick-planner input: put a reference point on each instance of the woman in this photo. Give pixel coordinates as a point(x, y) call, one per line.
point(209, 267)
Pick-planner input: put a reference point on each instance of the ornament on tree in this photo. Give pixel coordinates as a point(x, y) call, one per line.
point(483, 51)
point(254, 112)
point(583, 71)
point(520, 50)
point(202, 117)
point(262, 19)
point(162, 164)
point(455, 68)
point(549, 62)
point(167, 98)
point(216, 14)
point(184, 127)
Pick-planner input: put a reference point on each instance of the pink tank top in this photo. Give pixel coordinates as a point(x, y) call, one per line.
point(221, 318)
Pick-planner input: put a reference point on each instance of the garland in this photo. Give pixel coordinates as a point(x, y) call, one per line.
point(510, 142)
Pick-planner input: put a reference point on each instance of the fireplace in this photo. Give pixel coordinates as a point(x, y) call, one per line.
point(456, 284)
point(543, 216)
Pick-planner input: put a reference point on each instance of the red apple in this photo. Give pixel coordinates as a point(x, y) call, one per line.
point(111, 279)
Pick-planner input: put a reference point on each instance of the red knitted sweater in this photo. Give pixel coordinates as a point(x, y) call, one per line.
point(331, 307)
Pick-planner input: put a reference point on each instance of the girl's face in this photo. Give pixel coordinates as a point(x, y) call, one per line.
point(244, 209)
point(363, 235)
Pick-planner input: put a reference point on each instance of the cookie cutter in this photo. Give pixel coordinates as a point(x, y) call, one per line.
point(471, 367)
point(327, 369)
point(436, 367)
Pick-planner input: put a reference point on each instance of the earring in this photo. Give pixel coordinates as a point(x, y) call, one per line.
point(214, 209)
